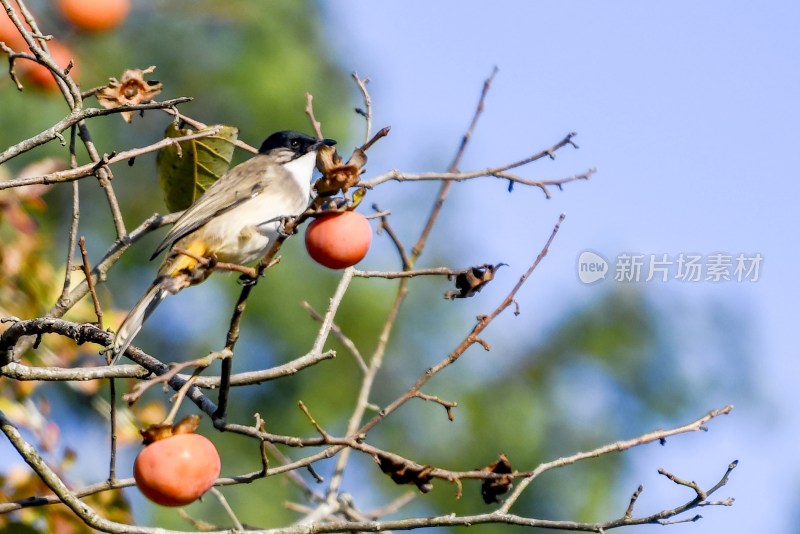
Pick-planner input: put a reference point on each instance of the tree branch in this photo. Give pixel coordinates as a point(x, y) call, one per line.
point(77, 116)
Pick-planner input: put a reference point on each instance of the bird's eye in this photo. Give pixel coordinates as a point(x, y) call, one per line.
point(295, 143)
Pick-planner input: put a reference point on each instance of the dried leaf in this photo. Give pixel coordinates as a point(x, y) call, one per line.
point(492, 488)
point(188, 169)
point(402, 472)
point(187, 425)
point(472, 280)
point(338, 176)
point(132, 90)
point(156, 432)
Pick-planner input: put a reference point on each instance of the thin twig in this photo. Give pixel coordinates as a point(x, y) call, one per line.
point(104, 178)
point(701, 495)
point(201, 126)
point(651, 437)
point(83, 171)
point(87, 273)
point(390, 275)
point(444, 189)
point(228, 510)
point(315, 124)
point(340, 336)
point(163, 378)
point(447, 405)
point(634, 498)
point(76, 213)
point(22, 372)
point(76, 117)
point(386, 227)
point(472, 338)
point(499, 172)
point(383, 132)
point(317, 427)
point(367, 111)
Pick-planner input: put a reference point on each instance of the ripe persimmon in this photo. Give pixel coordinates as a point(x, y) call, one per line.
point(39, 75)
point(177, 470)
point(9, 33)
point(95, 15)
point(338, 240)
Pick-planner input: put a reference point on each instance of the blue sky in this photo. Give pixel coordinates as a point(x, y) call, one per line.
point(689, 110)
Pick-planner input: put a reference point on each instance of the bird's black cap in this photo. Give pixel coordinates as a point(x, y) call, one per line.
point(297, 142)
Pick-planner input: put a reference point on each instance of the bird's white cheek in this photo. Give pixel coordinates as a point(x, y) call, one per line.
point(301, 170)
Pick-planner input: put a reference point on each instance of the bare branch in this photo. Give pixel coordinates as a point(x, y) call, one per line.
point(651, 437)
point(367, 111)
point(315, 124)
point(499, 172)
point(89, 169)
point(76, 117)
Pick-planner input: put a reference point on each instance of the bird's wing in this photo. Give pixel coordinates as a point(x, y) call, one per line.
point(242, 183)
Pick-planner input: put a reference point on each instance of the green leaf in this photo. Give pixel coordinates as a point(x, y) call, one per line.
point(187, 169)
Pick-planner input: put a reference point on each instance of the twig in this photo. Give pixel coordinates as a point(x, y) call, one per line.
point(76, 117)
point(104, 178)
point(390, 275)
point(112, 255)
point(559, 183)
point(340, 336)
point(444, 190)
point(76, 213)
point(473, 337)
point(500, 172)
point(90, 333)
point(724, 479)
point(178, 399)
point(367, 111)
point(701, 495)
point(317, 427)
point(383, 132)
point(651, 437)
point(634, 498)
point(262, 445)
point(386, 227)
point(315, 124)
point(87, 272)
point(112, 419)
point(175, 368)
point(228, 510)
point(83, 171)
point(330, 313)
point(50, 478)
point(45, 500)
point(392, 507)
point(447, 405)
point(19, 371)
point(200, 126)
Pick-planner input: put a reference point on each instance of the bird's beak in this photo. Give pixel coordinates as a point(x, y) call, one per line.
point(320, 142)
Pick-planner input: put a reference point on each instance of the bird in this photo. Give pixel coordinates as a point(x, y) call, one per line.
point(234, 221)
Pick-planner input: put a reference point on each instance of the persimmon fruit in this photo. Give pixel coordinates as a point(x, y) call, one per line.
point(95, 15)
point(338, 240)
point(9, 33)
point(177, 470)
point(39, 75)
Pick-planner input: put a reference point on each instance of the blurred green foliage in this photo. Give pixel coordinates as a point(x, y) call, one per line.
point(607, 369)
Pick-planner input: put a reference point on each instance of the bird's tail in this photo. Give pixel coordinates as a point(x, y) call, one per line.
point(136, 318)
